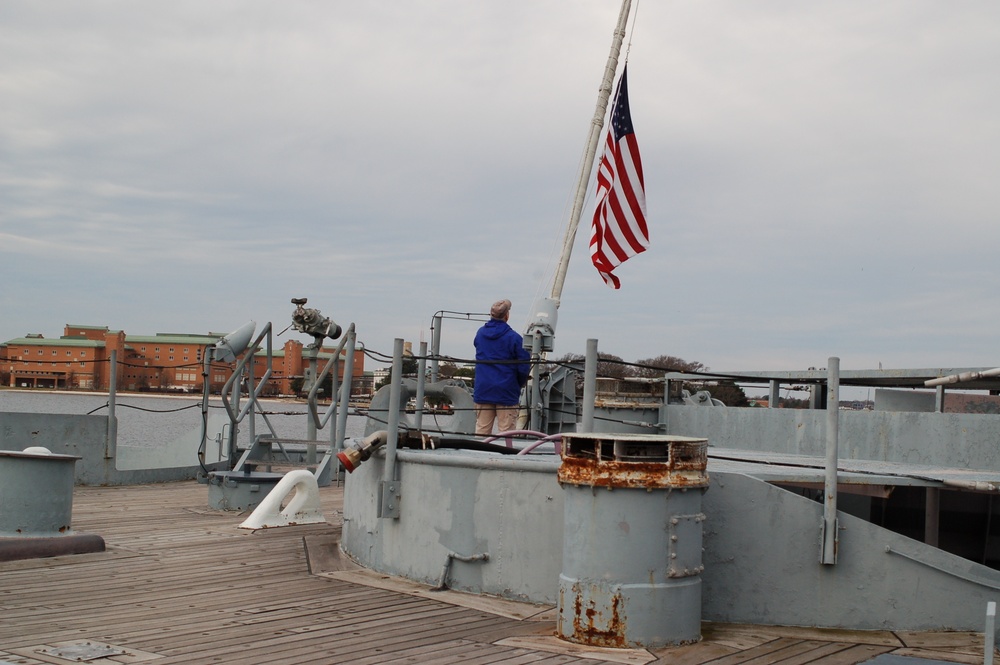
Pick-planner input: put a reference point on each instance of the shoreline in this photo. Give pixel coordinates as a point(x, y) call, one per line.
point(125, 393)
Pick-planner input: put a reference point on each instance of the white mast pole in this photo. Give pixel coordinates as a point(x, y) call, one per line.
point(597, 124)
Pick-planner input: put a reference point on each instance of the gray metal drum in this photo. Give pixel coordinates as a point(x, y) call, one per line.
point(631, 573)
point(36, 493)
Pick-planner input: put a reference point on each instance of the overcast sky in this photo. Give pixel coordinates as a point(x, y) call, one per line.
point(821, 177)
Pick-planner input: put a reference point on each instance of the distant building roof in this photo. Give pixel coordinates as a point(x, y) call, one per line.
point(62, 341)
point(172, 338)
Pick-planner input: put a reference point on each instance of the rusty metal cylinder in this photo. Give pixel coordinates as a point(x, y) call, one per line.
point(631, 570)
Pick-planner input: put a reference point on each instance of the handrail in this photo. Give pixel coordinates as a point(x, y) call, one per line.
point(941, 569)
point(238, 371)
point(332, 362)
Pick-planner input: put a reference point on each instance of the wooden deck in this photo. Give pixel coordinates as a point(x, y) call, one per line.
point(182, 584)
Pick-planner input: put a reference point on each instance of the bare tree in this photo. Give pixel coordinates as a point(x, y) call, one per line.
point(608, 365)
point(656, 367)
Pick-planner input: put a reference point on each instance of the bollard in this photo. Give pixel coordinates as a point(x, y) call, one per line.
point(36, 506)
point(631, 572)
point(36, 492)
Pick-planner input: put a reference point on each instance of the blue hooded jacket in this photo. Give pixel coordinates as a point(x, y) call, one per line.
point(499, 383)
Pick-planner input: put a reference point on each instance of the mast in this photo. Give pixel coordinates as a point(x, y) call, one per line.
point(596, 125)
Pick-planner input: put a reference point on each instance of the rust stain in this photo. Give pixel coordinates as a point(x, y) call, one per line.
point(632, 462)
point(585, 632)
point(621, 474)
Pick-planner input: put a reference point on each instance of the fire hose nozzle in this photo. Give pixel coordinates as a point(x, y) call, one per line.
point(352, 457)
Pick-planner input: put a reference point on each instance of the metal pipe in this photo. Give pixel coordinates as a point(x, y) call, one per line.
point(252, 421)
point(205, 388)
point(939, 399)
point(111, 444)
point(395, 391)
point(443, 582)
point(774, 395)
point(989, 633)
point(345, 399)
point(418, 414)
point(932, 513)
point(310, 424)
point(829, 553)
point(589, 386)
point(236, 414)
point(535, 404)
point(435, 345)
point(313, 396)
point(481, 462)
point(962, 377)
point(662, 423)
point(596, 125)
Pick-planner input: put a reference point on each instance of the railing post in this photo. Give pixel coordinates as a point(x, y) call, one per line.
point(535, 410)
point(345, 400)
point(829, 553)
point(390, 494)
point(932, 515)
point(988, 637)
point(311, 353)
point(589, 387)
point(111, 444)
point(435, 346)
point(418, 415)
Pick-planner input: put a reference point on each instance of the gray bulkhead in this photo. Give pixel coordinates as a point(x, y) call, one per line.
point(761, 547)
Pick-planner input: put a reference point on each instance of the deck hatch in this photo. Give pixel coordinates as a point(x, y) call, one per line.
point(84, 652)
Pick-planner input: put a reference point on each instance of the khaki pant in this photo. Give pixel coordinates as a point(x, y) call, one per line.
point(505, 416)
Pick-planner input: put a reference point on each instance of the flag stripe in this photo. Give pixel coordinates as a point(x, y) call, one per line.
point(619, 229)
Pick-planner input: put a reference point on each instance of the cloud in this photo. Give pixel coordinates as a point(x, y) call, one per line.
point(819, 175)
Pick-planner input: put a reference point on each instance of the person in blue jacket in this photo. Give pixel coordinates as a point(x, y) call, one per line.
point(501, 371)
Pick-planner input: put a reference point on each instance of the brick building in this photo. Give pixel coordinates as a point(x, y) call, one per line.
point(165, 362)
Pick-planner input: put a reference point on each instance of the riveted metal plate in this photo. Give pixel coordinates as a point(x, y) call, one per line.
point(685, 545)
point(84, 652)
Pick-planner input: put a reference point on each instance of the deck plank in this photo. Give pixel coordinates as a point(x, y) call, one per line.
point(181, 584)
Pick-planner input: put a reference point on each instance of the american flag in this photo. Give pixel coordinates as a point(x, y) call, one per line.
point(619, 228)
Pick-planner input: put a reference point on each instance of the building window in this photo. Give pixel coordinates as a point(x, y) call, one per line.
point(39, 352)
point(54, 352)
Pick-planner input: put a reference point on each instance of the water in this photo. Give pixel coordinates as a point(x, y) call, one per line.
point(145, 420)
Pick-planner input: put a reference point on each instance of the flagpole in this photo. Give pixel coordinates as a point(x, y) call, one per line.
point(597, 124)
